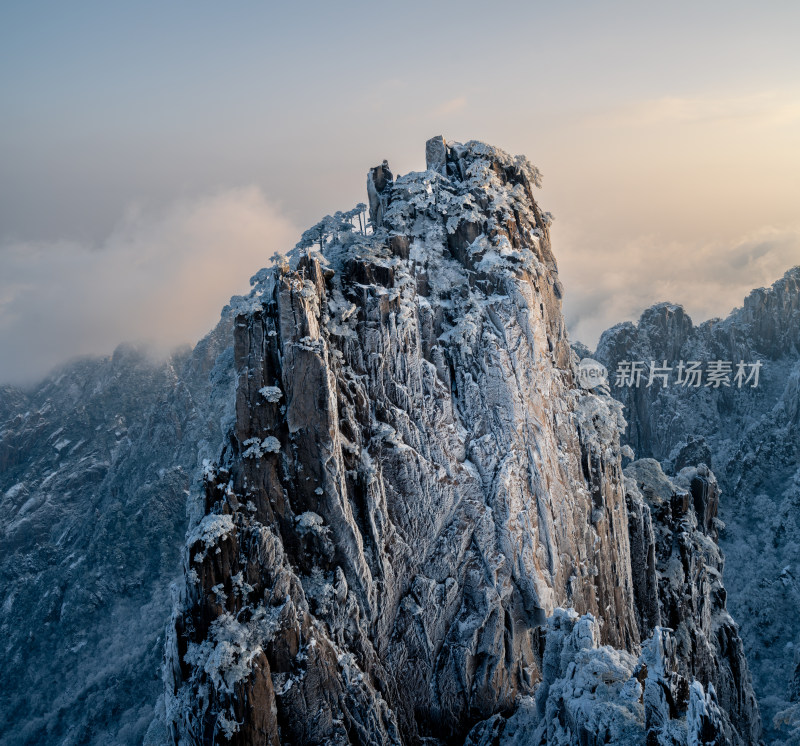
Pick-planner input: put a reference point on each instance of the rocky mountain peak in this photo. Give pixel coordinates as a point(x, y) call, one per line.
point(415, 492)
point(772, 316)
point(408, 517)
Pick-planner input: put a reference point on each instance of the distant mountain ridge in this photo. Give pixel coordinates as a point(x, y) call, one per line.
point(95, 465)
point(751, 436)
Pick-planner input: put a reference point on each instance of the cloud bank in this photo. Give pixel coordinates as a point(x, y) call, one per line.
point(606, 284)
point(161, 277)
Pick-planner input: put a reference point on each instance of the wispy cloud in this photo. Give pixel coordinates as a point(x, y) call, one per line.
point(160, 277)
point(451, 106)
point(767, 107)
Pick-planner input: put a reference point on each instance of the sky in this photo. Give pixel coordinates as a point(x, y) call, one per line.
point(153, 156)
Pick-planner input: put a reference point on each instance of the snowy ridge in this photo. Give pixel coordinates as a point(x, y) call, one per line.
point(751, 439)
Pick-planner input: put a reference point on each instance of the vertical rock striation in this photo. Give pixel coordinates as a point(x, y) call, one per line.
point(413, 486)
point(689, 685)
point(691, 594)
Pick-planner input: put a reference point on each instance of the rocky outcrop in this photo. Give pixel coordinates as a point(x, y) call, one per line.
point(691, 594)
point(415, 484)
point(411, 524)
point(96, 464)
point(751, 435)
point(689, 685)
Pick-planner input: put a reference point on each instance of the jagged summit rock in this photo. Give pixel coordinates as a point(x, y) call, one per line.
point(379, 184)
point(436, 155)
point(415, 491)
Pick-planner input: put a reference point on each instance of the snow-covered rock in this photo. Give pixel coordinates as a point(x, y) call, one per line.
point(408, 521)
point(442, 487)
point(689, 684)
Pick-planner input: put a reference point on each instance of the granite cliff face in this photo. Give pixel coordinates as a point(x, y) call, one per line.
point(416, 493)
point(95, 464)
point(749, 435)
point(689, 684)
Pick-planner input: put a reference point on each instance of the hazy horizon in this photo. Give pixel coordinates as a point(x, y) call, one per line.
point(155, 157)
